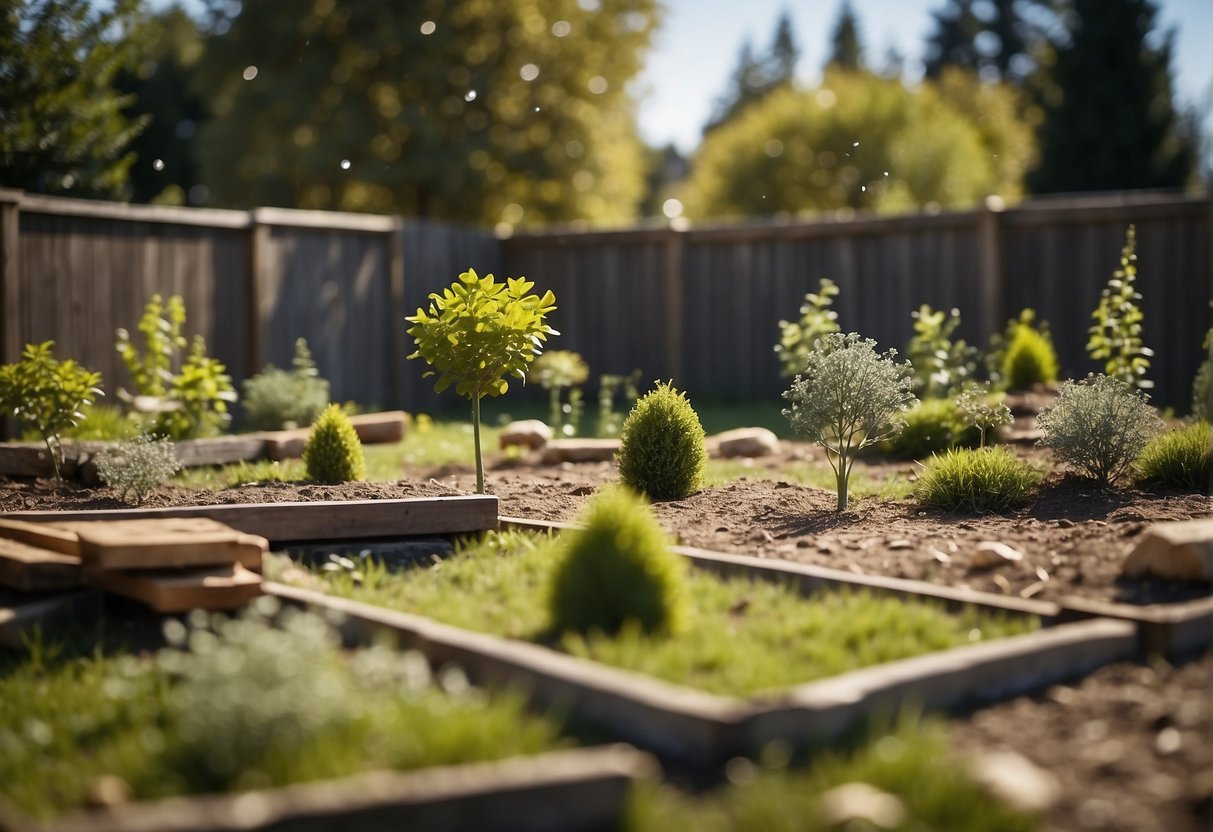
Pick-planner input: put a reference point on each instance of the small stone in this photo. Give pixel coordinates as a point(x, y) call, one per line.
point(850, 802)
point(579, 450)
point(1063, 523)
point(1003, 584)
point(1031, 589)
point(108, 790)
point(744, 442)
point(1168, 741)
point(825, 548)
point(531, 433)
point(991, 553)
point(1016, 781)
point(1179, 551)
point(940, 556)
point(900, 543)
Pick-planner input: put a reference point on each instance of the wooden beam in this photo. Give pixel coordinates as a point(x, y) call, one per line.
point(31, 569)
point(11, 335)
point(42, 535)
point(151, 543)
point(182, 590)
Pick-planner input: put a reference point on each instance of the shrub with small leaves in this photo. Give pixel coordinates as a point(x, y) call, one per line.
point(1115, 337)
point(1099, 425)
point(1181, 459)
point(662, 452)
point(333, 452)
point(983, 410)
point(797, 338)
point(941, 365)
point(275, 399)
point(976, 480)
point(1028, 357)
point(136, 467)
point(849, 397)
point(618, 570)
point(930, 426)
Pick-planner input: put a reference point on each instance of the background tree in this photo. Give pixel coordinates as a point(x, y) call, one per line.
point(1109, 121)
point(471, 110)
point(991, 38)
point(755, 78)
point(847, 50)
point(62, 126)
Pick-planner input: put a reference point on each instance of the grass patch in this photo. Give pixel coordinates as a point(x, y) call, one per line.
point(741, 636)
point(977, 481)
point(250, 706)
point(1181, 459)
point(862, 485)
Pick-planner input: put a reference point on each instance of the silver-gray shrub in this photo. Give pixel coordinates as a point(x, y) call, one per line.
point(136, 467)
point(848, 397)
point(275, 399)
point(1099, 425)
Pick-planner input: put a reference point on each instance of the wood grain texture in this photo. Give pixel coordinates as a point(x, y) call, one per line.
point(148, 543)
point(31, 569)
point(181, 590)
point(42, 535)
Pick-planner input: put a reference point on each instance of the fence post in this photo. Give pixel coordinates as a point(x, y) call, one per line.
point(258, 248)
point(672, 291)
point(991, 267)
point(396, 277)
point(10, 281)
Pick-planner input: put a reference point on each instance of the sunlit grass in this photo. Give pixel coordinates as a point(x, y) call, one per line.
point(816, 474)
point(742, 637)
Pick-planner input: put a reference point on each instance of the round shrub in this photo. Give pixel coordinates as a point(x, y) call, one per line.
point(1099, 425)
point(661, 451)
point(977, 480)
point(333, 452)
point(1181, 459)
point(931, 426)
point(1030, 358)
point(619, 568)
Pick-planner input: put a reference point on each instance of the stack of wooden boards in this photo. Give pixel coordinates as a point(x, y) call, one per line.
point(172, 564)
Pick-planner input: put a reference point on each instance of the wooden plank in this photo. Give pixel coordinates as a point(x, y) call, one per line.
point(91, 208)
point(378, 428)
point(67, 609)
point(182, 590)
point(320, 520)
point(150, 543)
point(220, 450)
point(42, 535)
point(10, 278)
point(27, 460)
point(31, 569)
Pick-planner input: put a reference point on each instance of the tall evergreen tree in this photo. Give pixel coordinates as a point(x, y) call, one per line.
point(990, 38)
point(1110, 122)
point(847, 50)
point(756, 77)
point(62, 126)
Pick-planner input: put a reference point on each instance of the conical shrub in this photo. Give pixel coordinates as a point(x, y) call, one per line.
point(662, 452)
point(334, 452)
point(619, 569)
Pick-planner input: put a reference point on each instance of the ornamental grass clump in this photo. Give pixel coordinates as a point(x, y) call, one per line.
point(1181, 459)
point(1099, 425)
point(617, 571)
point(662, 452)
point(977, 480)
point(931, 425)
point(275, 399)
point(136, 467)
point(847, 398)
point(333, 453)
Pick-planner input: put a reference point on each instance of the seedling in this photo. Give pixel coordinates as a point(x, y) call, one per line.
point(1116, 334)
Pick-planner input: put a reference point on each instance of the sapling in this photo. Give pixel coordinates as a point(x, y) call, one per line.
point(1115, 337)
point(982, 411)
point(796, 338)
point(848, 397)
point(477, 332)
point(555, 370)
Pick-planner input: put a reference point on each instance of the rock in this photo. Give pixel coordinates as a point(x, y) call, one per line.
point(1179, 551)
point(991, 553)
point(743, 442)
point(1016, 781)
point(850, 802)
point(900, 543)
point(529, 432)
point(579, 450)
point(395, 555)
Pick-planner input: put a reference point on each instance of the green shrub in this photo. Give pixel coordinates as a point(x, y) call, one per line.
point(1099, 425)
point(48, 394)
point(1200, 384)
point(556, 370)
point(976, 480)
point(201, 391)
point(275, 399)
point(1115, 337)
point(618, 570)
point(941, 365)
point(1029, 357)
point(104, 423)
point(930, 426)
point(797, 338)
point(662, 453)
point(1180, 459)
point(333, 452)
point(138, 466)
point(848, 398)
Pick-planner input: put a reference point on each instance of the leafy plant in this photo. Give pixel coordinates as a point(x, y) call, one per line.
point(848, 397)
point(476, 333)
point(984, 410)
point(976, 480)
point(275, 399)
point(104, 423)
point(1115, 337)
point(1099, 425)
point(662, 453)
point(610, 420)
point(136, 467)
point(931, 425)
point(161, 324)
point(618, 571)
point(48, 394)
point(1180, 459)
point(1200, 384)
point(1023, 355)
point(333, 452)
point(941, 366)
point(555, 370)
point(797, 338)
point(201, 393)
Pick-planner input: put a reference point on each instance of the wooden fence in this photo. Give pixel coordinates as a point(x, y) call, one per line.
point(699, 306)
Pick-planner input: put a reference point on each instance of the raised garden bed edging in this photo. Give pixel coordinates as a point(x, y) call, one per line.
point(581, 789)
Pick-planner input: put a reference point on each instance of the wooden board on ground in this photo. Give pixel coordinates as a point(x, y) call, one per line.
point(326, 520)
point(42, 535)
point(165, 542)
point(31, 569)
point(30, 460)
point(181, 590)
point(219, 450)
point(66, 608)
point(372, 429)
